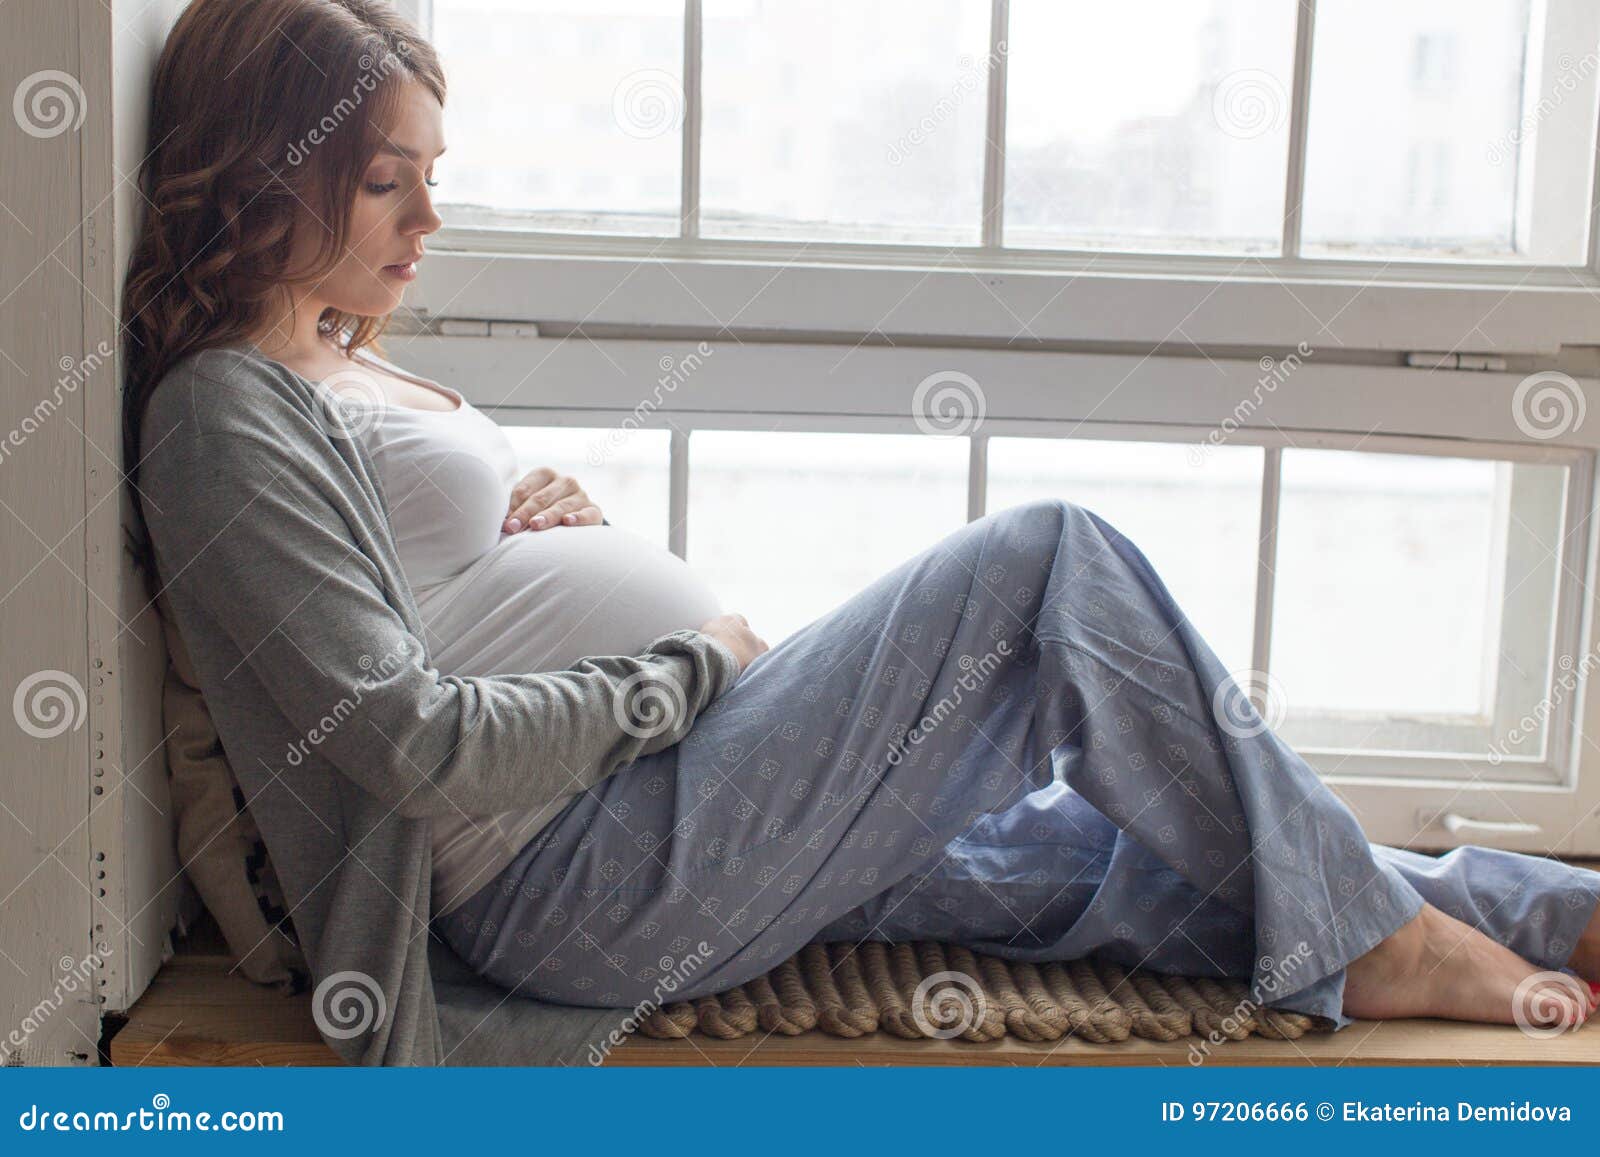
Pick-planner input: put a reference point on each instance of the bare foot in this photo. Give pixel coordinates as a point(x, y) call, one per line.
point(1436, 966)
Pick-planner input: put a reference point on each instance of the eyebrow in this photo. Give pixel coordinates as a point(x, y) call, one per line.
point(401, 151)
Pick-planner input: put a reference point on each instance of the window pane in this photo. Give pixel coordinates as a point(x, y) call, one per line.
point(1148, 124)
point(786, 526)
point(1449, 130)
point(1415, 600)
point(625, 472)
point(562, 114)
point(1195, 517)
point(843, 121)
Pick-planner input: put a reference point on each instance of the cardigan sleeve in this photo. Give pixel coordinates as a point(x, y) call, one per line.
point(273, 589)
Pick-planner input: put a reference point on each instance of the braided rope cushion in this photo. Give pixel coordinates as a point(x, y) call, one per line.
point(930, 989)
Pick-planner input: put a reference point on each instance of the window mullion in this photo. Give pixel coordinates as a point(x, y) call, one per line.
point(1266, 574)
point(678, 493)
point(1594, 212)
point(1593, 251)
point(1299, 112)
point(689, 204)
point(994, 152)
point(977, 477)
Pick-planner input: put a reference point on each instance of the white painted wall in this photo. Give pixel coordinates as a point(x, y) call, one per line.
point(86, 859)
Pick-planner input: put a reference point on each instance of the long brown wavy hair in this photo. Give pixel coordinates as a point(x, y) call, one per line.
point(260, 111)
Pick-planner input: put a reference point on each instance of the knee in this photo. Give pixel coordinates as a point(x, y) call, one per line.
point(1056, 513)
point(1042, 508)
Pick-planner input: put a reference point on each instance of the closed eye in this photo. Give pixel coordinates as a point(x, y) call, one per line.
point(393, 185)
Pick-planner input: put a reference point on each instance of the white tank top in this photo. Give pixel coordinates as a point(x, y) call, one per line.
point(493, 603)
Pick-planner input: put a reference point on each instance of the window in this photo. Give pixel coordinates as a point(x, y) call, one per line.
point(1196, 516)
point(1416, 605)
point(841, 509)
point(1424, 129)
point(1424, 114)
point(1299, 296)
point(1184, 151)
point(567, 117)
point(829, 141)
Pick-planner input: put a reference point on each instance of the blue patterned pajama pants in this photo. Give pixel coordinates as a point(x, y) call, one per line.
point(1014, 740)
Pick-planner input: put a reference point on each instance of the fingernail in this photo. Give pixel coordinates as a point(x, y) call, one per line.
point(538, 520)
point(570, 518)
point(513, 525)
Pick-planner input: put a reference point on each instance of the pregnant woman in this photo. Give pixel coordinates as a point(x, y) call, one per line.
point(1014, 739)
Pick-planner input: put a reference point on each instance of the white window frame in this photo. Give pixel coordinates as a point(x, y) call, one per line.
point(990, 291)
point(524, 377)
point(547, 328)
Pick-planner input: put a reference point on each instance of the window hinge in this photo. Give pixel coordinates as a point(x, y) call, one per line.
point(473, 327)
point(1491, 363)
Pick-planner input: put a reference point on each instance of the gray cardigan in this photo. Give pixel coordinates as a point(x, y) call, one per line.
point(273, 543)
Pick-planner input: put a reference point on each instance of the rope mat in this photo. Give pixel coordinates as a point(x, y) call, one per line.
point(929, 989)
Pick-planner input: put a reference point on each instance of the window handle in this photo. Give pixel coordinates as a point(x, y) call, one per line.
point(1455, 824)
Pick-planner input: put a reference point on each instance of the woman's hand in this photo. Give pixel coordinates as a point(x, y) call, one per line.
point(733, 632)
point(544, 499)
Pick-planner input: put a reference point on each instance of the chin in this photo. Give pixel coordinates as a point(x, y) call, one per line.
point(375, 304)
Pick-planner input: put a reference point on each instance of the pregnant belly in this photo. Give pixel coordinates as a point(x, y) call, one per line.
point(541, 600)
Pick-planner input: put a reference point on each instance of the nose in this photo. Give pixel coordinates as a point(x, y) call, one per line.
point(421, 218)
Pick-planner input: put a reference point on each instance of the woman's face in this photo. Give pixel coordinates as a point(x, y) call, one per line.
point(392, 213)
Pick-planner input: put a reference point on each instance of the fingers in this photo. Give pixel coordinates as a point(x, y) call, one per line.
point(538, 500)
point(574, 511)
point(544, 506)
point(584, 516)
point(535, 481)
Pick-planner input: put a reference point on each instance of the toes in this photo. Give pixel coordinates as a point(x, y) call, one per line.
point(1549, 1003)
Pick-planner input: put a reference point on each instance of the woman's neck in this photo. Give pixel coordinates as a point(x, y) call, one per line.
point(294, 336)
